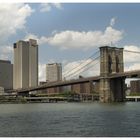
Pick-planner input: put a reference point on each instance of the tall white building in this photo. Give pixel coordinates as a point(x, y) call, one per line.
point(6, 74)
point(25, 71)
point(53, 72)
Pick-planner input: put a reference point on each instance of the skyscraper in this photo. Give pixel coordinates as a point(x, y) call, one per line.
point(6, 74)
point(25, 72)
point(53, 72)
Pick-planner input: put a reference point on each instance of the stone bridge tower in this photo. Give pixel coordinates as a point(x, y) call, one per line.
point(111, 62)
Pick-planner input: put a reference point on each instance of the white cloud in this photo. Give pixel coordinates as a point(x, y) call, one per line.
point(7, 49)
point(6, 52)
point(41, 40)
point(4, 57)
point(71, 39)
point(131, 60)
point(42, 72)
point(112, 21)
point(31, 36)
point(129, 56)
point(131, 67)
point(46, 7)
point(58, 5)
point(12, 18)
point(80, 40)
point(85, 40)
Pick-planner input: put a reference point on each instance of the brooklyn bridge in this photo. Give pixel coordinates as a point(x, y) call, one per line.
point(109, 84)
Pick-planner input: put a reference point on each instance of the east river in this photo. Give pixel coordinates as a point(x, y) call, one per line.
point(70, 119)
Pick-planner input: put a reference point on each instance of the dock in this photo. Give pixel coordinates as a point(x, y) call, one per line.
point(132, 98)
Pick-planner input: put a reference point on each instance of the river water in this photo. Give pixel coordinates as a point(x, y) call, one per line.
point(70, 119)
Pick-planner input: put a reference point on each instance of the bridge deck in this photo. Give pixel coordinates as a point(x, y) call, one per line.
point(58, 83)
point(127, 74)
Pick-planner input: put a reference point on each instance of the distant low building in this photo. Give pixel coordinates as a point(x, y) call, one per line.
point(135, 87)
point(1, 90)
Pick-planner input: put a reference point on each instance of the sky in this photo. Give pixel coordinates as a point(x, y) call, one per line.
point(69, 33)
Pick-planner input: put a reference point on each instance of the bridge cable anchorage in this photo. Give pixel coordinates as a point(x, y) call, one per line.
point(80, 63)
point(77, 70)
point(88, 68)
point(131, 51)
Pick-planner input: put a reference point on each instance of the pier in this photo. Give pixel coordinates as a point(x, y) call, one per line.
point(132, 98)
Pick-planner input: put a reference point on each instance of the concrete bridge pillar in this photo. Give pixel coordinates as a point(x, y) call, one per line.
point(111, 62)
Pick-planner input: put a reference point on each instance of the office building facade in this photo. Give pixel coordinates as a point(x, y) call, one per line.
point(53, 72)
point(25, 71)
point(135, 87)
point(6, 74)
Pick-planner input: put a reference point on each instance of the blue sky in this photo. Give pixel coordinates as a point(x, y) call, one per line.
point(70, 32)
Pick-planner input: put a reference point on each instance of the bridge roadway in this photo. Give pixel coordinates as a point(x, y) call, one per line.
point(127, 74)
point(58, 83)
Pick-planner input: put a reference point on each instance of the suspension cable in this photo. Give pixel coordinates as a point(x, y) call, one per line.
point(70, 71)
point(82, 67)
point(92, 66)
point(131, 51)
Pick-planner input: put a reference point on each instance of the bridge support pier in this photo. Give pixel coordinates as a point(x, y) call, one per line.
point(117, 87)
point(112, 90)
point(104, 93)
point(111, 62)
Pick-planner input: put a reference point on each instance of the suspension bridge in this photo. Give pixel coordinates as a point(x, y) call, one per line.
point(109, 84)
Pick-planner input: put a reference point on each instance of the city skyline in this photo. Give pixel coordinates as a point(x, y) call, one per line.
point(70, 32)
